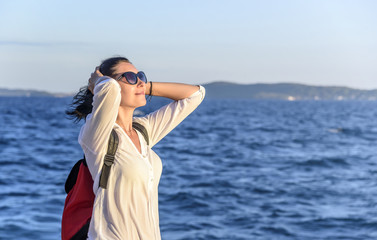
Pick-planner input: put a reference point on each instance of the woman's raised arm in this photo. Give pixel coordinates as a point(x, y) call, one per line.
point(160, 122)
point(175, 91)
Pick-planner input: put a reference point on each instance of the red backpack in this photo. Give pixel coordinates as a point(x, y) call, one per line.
point(78, 204)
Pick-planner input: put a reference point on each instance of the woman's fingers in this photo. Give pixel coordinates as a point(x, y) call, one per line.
point(98, 72)
point(93, 78)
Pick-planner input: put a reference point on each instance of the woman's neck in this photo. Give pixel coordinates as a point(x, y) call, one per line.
point(124, 119)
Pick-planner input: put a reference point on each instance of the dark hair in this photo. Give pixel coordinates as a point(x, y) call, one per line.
point(81, 104)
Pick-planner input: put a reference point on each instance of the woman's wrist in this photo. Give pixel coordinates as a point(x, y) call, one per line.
point(148, 90)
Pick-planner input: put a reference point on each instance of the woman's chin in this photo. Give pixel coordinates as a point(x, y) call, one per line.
point(143, 102)
point(135, 104)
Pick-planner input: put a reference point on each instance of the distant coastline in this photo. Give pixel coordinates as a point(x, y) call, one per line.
point(277, 91)
point(4, 92)
point(286, 91)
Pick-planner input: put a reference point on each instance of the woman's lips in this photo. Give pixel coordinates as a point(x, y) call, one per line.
point(140, 93)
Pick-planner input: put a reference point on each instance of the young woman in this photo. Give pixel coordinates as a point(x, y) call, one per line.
point(128, 208)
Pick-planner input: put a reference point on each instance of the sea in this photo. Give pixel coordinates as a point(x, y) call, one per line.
point(233, 170)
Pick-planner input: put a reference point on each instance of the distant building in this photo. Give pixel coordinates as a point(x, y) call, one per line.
point(291, 98)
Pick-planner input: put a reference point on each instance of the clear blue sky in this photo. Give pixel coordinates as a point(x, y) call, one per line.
point(54, 45)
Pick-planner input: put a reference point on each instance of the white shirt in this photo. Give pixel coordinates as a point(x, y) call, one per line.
point(128, 208)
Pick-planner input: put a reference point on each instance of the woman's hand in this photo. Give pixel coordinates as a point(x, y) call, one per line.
point(93, 79)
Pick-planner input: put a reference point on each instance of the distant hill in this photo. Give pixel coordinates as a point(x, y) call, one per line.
point(286, 91)
point(4, 92)
point(278, 91)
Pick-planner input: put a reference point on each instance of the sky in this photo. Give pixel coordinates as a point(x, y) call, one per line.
point(55, 45)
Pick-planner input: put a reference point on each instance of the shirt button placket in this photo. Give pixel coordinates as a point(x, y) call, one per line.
point(150, 178)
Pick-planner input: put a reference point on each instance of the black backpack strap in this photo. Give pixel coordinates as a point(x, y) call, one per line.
point(111, 150)
point(109, 159)
point(142, 130)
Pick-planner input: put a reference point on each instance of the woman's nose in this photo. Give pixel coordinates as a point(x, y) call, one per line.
point(140, 83)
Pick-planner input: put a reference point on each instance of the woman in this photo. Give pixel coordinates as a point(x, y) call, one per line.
point(128, 208)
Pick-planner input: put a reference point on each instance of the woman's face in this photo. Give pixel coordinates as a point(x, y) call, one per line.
point(133, 96)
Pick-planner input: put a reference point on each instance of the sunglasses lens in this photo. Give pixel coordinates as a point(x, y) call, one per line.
point(142, 77)
point(130, 77)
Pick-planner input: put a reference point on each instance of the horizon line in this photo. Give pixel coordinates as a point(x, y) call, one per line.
point(207, 83)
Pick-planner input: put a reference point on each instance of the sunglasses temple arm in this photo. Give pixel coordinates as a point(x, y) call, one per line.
point(119, 77)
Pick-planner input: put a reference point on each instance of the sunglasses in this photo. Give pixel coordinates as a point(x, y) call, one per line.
point(132, 77)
